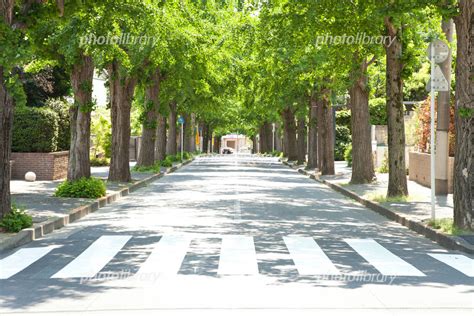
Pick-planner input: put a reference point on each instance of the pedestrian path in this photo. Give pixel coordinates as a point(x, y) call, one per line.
point(238, 256)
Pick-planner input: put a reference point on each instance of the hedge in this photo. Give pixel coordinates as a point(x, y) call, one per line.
point(61, 107)
point(35, 130)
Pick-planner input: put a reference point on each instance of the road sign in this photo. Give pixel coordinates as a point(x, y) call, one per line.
point(181, 120)
point(439, 81)
point(441, 51)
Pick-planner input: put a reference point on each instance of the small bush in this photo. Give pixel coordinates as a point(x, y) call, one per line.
point(343, 140)
point(16, 220)
point(167, 162)
point(82, 188)
point(187, 156)
point(35, 130)
point(100, 162)
point(348, 155)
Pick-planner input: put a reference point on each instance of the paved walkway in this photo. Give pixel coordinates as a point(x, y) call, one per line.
point(38, 200)
point(418, 207)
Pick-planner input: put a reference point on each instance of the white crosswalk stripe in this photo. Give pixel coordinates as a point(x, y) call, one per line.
point(94, 258)
point(22, 259)
point(238, 256)
point(459, 262)
point(308, 257)
point(383, 260)
point(167, 256)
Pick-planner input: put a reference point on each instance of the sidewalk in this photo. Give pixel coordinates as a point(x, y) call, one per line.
point(414, 213)
point(418, 206)
point(50, 213)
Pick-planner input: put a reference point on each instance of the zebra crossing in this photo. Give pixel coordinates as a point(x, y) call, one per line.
point(238, 256)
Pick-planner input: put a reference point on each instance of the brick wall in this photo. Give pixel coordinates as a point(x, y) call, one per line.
point(46, 166)
point(420, 170)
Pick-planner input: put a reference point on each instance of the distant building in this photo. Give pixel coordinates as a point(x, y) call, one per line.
point(238, 143)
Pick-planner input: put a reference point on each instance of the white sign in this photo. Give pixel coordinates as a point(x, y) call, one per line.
point(439, 81)
point(441, 51)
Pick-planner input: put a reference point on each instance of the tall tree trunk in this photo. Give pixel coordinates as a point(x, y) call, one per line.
point(326, 134)
point(160, 143)
point(362, 161)
point(7, 104)
point(313, 134)
point(301, 140)
point(146, 155)
point(217, 144)
point(464, 116)
point(189, 137)
point(122, 88)
point(443, 119)
point(254, 144)
point(79, 151)
point(290, 133)
point(397, 178)
point(6, 121)
point(205, 138)
point(265, 135)
point(171, 148)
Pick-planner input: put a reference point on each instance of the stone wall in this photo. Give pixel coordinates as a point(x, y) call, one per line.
point(420, 169)
point(46, 166)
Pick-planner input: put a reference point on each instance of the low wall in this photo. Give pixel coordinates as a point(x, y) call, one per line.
point(420, 169)
point(46, 166)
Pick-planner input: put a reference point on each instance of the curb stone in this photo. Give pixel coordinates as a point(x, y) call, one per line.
point(41, 229)
point(447, 241)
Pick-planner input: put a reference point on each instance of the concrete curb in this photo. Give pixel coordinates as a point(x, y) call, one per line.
point(40, 229)
point(447, 241)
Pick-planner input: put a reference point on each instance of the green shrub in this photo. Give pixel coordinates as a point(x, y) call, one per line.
point(167, 162)
point(343, 139)
point(16, 220)
point(100, 162)
point(187, 156)
point(82, 188)
point(61, 107)
point(348, 155)
point(35, 130)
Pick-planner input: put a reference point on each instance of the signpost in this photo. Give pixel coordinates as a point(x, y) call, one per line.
point(437, 52)
point(181, 121)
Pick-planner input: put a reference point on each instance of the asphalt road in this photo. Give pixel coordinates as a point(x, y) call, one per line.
point(235, 236)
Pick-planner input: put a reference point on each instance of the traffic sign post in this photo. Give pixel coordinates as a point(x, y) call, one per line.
point(181, 121)
point(437, 52)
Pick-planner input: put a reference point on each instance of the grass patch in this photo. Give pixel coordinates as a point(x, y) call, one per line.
point(446, 225)
point(382, 198)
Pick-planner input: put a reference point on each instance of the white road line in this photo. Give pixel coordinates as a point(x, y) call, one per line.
point(308, 257)
point(22, 259)
point(238, 256)
point(94, 258)
point(167, 256)
point(383, 260)
point(459, 262)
